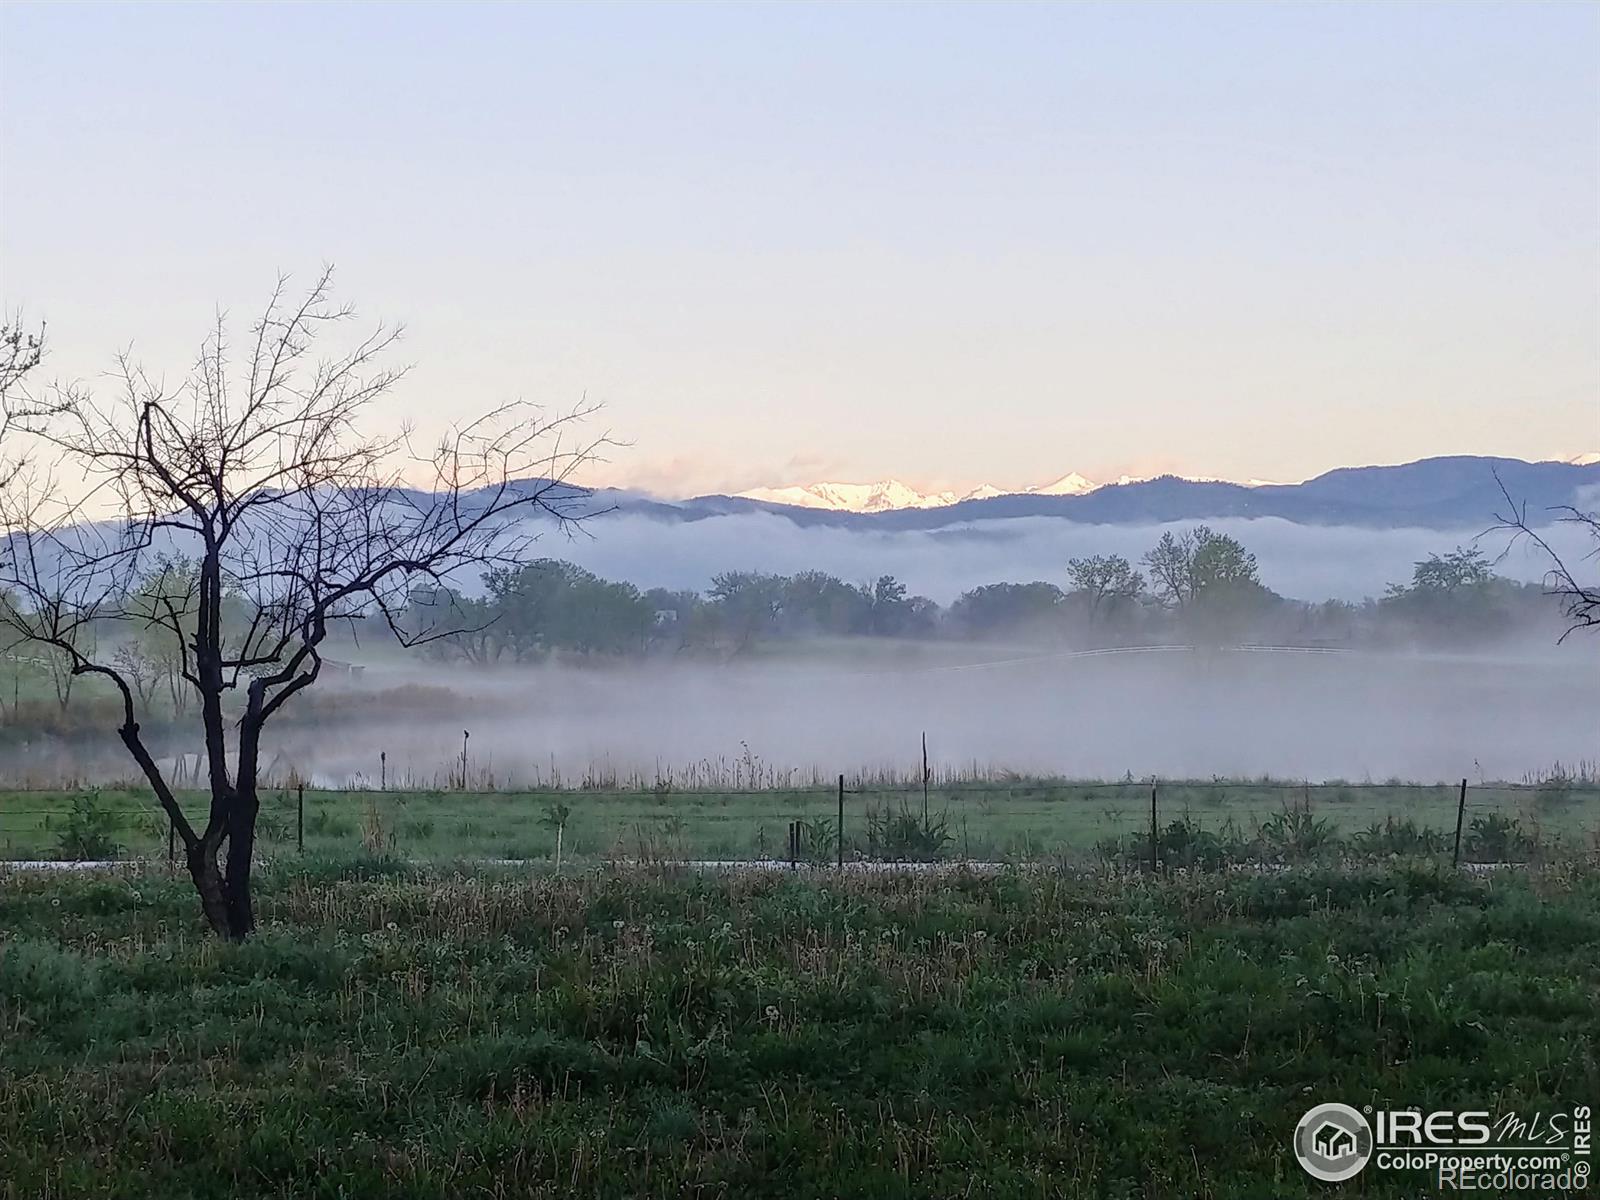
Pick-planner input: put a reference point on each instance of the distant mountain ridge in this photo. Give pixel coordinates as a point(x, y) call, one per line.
point(891, 494)
point(1454, 492)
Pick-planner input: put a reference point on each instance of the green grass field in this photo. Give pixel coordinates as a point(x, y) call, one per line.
point(1025, 820)
point(400, 1033)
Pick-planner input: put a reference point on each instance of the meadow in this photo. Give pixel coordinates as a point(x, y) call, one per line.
point(409, 1031)
point(1004, 820)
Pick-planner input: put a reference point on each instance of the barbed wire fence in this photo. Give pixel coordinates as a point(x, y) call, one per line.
point(923, 816)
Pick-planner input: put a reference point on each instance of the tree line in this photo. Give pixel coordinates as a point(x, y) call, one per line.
point(1195, 586)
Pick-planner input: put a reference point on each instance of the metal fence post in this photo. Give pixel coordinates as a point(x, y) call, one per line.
point(1461, 813)
point(924, 781)
point(1153, 861)
point(840, 846)
point(172, 842)
point(300, 816)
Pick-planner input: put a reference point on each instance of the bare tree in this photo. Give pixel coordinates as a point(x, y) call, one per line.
point(1580, 602)
point(1106, 579)
point(140, 669)
point(20, 352)
point(1171, 564)
point(60, 666)
point(295, 521)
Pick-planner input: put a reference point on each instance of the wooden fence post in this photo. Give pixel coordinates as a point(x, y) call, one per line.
point(1461, 813)
point(172, 842)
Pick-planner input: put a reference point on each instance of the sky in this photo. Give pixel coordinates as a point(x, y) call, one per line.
point(781, 243)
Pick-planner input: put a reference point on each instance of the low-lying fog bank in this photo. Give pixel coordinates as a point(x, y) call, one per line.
point(1173, 714)
point(1308, 562)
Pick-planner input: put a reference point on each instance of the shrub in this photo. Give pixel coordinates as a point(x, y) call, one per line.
point(819, 840)
point(89, 832)
point(1293, 834)
point(1498, 839)
point(905, 836)
point(1182, 843)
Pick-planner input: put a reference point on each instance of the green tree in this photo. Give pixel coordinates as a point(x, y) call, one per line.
point(1462, 568)
point(1451, 595)
point(549, 605)
point(1106, 581)
point(815, 602)
point(748, 603)
point(1184, 566)
point(1219, 561)
point(891, 608)
point(1001, 607)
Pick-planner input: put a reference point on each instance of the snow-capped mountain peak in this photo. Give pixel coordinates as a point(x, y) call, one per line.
point(1071, 484)
point(888, 494)
point(856, 497)
point(984, 491)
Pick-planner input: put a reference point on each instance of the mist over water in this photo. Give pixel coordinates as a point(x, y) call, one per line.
point(1352, 716)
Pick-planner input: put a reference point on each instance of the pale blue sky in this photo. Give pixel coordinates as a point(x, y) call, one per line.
point(781, 243)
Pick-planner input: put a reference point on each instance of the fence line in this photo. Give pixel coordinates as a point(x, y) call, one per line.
point(1022, 784)
point(893, 829)
point(1030, 790)
point(1020, 789)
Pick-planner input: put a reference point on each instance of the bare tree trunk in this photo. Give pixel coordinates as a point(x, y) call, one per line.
point(208, 883)
point(225, 892)
point(225, 897)
point(236, 881)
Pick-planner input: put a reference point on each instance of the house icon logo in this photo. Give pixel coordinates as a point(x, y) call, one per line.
point(1333, 1142)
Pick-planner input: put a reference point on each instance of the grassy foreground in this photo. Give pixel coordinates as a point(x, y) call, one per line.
point(398, 1033)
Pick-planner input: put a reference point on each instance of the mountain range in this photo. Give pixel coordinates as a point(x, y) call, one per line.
point(1454, 492)
point(891, 494)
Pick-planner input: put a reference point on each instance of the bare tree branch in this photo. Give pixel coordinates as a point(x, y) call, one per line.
point(287, 518)
point(1580, 602)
